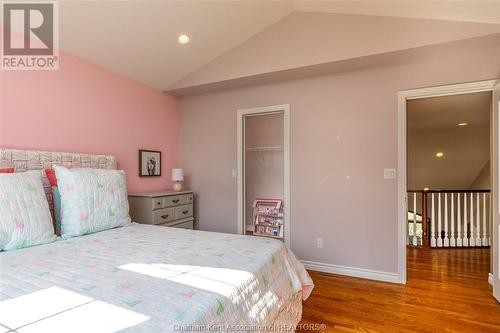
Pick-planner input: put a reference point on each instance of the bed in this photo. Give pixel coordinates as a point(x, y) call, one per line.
point(143, 278)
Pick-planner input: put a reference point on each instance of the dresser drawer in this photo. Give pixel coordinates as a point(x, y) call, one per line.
point(163, 215)
point(185, 225)
point(174, 200)
point(183, 211)
point(157, 203)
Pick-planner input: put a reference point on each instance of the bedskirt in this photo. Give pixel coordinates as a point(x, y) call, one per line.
point(289, 317)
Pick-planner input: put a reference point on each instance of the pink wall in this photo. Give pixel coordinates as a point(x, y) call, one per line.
point(86, 108)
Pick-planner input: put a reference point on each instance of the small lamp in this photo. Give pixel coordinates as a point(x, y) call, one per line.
point(177, 178)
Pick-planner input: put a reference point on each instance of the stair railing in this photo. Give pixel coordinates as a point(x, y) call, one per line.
point(449, 218)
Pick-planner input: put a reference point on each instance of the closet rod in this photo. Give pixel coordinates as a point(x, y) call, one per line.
point(269, 148)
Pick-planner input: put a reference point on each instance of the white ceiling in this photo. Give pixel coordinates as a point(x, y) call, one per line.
point(432, 128)
point(139, 38)
point(468, 11)
point(446, 112)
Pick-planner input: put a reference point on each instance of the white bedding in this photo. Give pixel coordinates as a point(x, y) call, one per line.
point(143, 278)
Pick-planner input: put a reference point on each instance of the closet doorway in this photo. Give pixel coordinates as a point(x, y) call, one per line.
point(263, 172)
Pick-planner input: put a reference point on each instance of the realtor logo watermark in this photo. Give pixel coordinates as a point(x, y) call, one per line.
point(30, 35)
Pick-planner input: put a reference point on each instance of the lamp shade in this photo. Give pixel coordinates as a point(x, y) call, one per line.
point(177, 175)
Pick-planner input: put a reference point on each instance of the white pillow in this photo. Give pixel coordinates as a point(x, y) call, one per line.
point(25, 218)
point(91, 200)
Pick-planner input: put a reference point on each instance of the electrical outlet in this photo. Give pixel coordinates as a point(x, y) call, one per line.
point(319, 243)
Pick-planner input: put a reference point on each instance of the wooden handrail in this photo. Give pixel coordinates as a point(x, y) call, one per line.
point(448, 191)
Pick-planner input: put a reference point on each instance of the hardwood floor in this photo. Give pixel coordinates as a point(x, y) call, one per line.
point(447, 291)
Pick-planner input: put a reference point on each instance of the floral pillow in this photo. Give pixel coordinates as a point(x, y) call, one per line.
point(91, 200)
point(25, 218)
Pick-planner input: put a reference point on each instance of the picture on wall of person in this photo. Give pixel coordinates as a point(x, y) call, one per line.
point(149, 163)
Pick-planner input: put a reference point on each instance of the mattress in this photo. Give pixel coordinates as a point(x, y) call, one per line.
point(144, 278)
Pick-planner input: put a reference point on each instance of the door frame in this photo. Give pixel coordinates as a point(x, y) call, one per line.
point(403, 97)
point(282, 108)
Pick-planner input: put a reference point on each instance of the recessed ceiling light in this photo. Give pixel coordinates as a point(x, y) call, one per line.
point(463, 124)
point(439, 154)
point(183, 39)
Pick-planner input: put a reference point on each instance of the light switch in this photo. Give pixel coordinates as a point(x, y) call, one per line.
point(389, 173)
point(234, 173)
point(319, 243)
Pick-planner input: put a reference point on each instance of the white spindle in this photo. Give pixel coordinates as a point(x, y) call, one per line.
point(446, 241)
point(439, 239)
point(472, 241)
point(478, 221)
point(490, 221)
point(484, 241)
point(459, 222)
point(465, 239)
point(415, 243)
point(452, 225)
point(433, 222)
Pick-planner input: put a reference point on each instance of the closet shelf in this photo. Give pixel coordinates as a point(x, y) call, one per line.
point(269, 148)
point(270, 215)
point(267, 235)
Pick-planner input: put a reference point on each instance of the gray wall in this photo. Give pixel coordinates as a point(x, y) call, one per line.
point(343, 134)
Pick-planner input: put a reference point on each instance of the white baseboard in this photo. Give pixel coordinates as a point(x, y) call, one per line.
point(352, 271)
point(490, 278)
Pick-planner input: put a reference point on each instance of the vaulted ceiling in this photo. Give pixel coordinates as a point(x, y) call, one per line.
point(467, 11)
point(234, 39)
point(139, 38)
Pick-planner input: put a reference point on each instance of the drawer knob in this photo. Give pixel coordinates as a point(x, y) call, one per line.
point(158, 202)
point(164, 216)
point(185, 212)
point(175, 200)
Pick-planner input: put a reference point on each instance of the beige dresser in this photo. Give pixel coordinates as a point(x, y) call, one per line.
point(170, 209)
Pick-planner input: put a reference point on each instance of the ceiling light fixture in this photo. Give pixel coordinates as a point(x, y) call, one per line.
point(426, 189)
point(439, 154)
point(183, 39)
point(462, 124)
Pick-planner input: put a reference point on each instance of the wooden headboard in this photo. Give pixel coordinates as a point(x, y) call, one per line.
point(25, 160)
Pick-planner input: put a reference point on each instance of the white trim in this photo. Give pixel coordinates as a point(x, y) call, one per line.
point(403, 96)
point(490, 278)
point(285, 108)
point(352, 271)
point(239, 173)
point(402, 195)
point(448, 90)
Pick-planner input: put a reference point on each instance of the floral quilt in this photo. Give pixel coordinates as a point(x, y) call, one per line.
point(143, 278)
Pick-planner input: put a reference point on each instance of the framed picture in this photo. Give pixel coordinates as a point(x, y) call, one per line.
point(149, 163)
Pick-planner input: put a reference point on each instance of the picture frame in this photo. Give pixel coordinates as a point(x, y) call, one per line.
point(149, 163)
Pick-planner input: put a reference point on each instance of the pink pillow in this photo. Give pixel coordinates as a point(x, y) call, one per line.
point(51, 175)
point(55, 201)
point(7, 170)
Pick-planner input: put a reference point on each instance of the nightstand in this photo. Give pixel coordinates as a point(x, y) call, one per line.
point(169, 209)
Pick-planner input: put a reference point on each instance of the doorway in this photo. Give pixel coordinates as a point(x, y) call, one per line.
point(440, 199)
point(263, 172)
